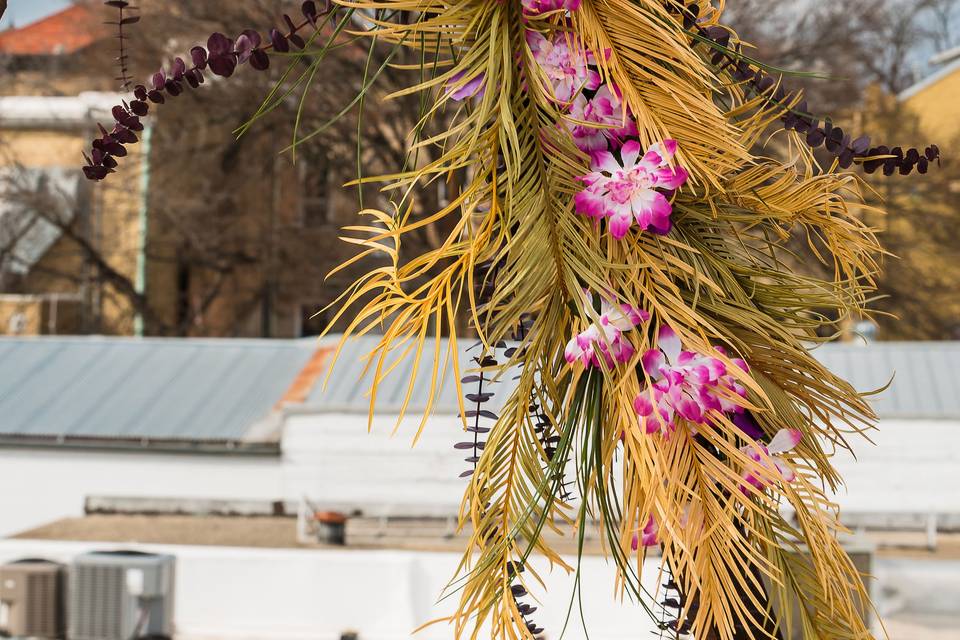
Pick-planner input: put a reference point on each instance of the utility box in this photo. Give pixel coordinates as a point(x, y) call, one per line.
point(120, 595)
point(32, 599)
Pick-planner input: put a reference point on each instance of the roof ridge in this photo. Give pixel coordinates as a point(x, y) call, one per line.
point(80, 7)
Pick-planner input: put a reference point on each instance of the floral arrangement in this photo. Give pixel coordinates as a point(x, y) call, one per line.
point(619, 220)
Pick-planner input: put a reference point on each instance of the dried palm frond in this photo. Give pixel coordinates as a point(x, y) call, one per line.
point(721, 276)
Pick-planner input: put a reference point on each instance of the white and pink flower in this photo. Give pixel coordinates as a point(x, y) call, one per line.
point(538, 7)
point(768, 458)
point(649, 537)
point(459, 90)
point(685, 384)
point(565, 65)
point(628, 191)
point(604, 339)
point(599, 119)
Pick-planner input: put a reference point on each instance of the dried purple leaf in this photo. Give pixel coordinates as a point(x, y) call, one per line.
point(199, 57)
point(259, 60)
point(179, 68)
point(296, 41)
point(279, 41)
point(309, 11)
point(219, 44)
point(222, 64)
point(173, 88)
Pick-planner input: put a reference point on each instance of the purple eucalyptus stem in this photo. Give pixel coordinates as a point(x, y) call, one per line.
point(221, 57)
point(837, 143)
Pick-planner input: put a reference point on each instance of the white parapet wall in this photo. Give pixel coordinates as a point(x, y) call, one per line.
point(911, 468)
point(333, 459)
point(233, 593)
point(909, 473)
point(42, 485)
point(230, 593)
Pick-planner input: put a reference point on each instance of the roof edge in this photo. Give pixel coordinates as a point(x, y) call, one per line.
point(316, 408)
point(141, 445)
point(94, 338)
point(83, 109)
point(929, 81)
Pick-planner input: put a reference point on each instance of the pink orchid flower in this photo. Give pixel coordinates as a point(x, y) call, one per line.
point(604, 338)
point(564, 65)
point(626, 192)
point(537, 7)
point(605, 112)
point(649, 535)
point(784, 440)
point(475, 87)
point(684, 383)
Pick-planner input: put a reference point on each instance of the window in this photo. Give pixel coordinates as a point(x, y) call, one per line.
point(314, 178)
point(33, 201)
point(312, 320)
point(183, 293)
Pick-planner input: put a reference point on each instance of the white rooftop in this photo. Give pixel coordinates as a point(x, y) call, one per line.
point(82, 109)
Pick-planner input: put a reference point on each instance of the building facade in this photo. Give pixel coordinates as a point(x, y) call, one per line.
point(200, 233)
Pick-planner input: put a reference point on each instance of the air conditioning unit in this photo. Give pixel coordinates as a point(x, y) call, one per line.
point(31, 599)
point(119, 595)
point(861, 552)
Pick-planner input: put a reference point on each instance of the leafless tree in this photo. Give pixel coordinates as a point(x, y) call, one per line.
point(871, 49)
point(851, 44)
point(290, 261)
point(943, 23)
point(235, 227)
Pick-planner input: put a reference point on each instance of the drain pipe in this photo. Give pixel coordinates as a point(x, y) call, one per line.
point(140, 283)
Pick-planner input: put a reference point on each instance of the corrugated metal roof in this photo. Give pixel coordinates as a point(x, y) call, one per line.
point(923, 376)
point(925, 381)
point(143, 389)
point(218, 391)
point(347, 389)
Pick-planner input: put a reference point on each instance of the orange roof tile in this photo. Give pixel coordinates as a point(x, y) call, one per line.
point(63, 32)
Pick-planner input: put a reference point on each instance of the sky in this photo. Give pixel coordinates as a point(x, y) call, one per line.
point(21, 12)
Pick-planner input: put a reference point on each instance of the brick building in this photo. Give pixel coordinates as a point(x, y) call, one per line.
point(198, 234)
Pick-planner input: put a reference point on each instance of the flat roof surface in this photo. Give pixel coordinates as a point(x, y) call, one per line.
point(412, 534)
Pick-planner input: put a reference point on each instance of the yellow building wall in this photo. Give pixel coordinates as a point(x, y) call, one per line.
point(20, 315)
point(936, 107)
point(113, 219)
